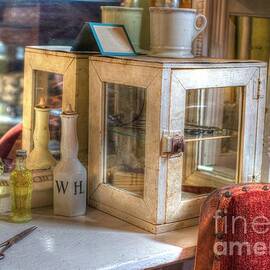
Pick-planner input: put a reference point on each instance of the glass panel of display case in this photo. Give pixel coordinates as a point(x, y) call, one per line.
point(50, 85)
point(124, 153)
point(212, 137)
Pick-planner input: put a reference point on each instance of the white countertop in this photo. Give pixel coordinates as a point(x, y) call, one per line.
point(97, 241)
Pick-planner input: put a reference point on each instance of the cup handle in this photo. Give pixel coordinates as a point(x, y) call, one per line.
point(202, 27)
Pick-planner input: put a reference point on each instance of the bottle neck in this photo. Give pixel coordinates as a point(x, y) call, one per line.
point(20, 163)
point(69, 139)
point(41, 132)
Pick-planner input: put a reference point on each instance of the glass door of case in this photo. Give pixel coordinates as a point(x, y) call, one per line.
point(124, 151)
point(212, 137)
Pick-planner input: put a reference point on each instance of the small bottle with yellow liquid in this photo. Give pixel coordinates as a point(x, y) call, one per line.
point(21, 190)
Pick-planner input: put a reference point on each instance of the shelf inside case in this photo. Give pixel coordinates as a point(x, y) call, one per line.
point(199, 133)
point(213, 119)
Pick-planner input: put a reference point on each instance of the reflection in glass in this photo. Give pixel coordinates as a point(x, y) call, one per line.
point(212, 129)
point(50, 85)
point(124, 152)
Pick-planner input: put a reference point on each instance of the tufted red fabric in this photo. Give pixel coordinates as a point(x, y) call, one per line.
point(234, 230)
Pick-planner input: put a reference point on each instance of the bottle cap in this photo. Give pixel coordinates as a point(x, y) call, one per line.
point(68, 110)
point(21, 153)
point(42, 103)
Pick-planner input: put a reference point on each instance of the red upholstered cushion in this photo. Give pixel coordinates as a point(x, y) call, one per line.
point(8, 140)
point(234, 229)
point(246, 229)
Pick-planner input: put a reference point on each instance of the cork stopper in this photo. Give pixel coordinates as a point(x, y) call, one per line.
point(42, 103)
point(68, 110)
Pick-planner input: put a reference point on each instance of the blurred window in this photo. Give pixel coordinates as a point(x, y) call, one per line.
point(35, 22)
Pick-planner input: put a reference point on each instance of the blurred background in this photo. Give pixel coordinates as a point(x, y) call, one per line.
point(246, 35)
point(35, 22)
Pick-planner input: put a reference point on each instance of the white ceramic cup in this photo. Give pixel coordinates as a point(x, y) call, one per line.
point(173, 30)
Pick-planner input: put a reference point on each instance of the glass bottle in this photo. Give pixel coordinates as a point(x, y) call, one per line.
point(21, 190)
point(40, 158)
point(69, 174)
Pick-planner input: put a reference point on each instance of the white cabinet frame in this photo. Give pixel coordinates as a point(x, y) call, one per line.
point(161, 208)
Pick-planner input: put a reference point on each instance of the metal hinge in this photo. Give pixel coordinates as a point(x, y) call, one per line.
point(172, 145)
point(258, 94)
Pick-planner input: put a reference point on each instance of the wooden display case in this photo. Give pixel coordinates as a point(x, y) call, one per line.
point(163, 133)
point(62, 77)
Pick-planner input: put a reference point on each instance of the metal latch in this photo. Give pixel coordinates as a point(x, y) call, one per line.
point(172, 145)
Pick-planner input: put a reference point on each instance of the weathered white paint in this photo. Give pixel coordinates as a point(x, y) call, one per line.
point(166, 81)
